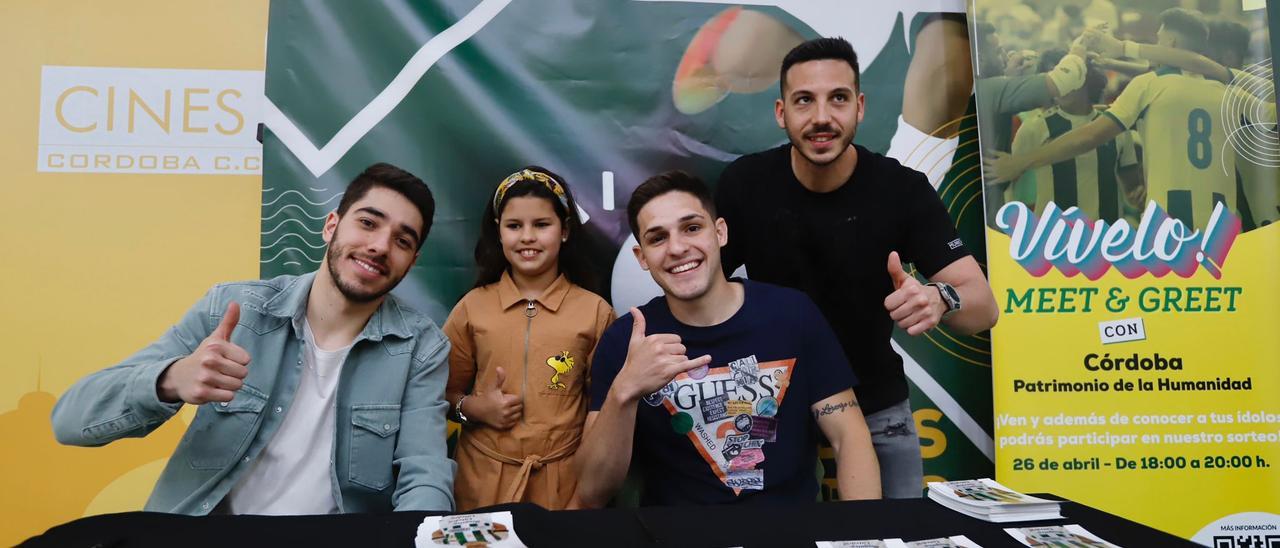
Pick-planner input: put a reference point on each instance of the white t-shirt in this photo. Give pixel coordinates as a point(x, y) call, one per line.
point(292, 474)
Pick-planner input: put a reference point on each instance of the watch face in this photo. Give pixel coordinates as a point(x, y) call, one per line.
point(953, 298)
point(949, 295)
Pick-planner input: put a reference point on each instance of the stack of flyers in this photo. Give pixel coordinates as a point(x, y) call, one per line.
point(958, 541)
point(988, 500)
point(1058, 536)
point(496, 530)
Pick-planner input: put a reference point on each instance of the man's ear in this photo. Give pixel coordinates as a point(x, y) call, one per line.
point(644, 265)
point(330, 226)
point(777, 114)
point(722, 231)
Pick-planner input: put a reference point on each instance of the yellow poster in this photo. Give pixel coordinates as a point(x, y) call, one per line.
point(1177, 427)
point(131, 184)
point(1132, 177)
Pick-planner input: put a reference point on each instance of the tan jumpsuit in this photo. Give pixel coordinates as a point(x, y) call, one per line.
point(544, 345)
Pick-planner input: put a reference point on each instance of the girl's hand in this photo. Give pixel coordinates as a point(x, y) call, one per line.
point(493, 408)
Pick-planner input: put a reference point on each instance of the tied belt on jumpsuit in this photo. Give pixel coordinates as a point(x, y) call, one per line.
point(515, 492)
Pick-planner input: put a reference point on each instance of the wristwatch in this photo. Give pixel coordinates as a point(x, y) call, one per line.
point(458, 417)
point(949, 296)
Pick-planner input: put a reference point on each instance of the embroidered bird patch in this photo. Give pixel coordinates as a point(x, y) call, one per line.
point(562, 363)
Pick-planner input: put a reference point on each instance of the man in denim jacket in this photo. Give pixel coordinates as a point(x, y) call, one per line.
point(317, 394)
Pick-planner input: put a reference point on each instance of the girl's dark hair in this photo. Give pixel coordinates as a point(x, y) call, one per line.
point(573, 263)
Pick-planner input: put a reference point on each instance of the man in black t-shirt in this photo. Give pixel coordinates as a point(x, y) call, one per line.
point(837, 221)
point(741, 422)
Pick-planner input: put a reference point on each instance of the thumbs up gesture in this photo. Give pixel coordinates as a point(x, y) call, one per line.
point(916, 307)
point(491, 406)
point(214, 372)
point(652, 361)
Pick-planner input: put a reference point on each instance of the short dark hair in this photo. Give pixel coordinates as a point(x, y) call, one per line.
point(820, 49)
point(572, 262)
point(1095, 81)
point(1229, 36)
point(390, 177)
point(664, 183)
point(1190, 25)
point(1050, 59)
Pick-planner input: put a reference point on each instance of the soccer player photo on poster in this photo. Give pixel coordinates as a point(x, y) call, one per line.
point(1130, 169)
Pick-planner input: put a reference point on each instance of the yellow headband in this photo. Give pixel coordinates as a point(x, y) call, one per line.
point(530, 175)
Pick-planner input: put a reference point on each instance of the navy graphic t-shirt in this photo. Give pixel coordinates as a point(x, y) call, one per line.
point(739, 430)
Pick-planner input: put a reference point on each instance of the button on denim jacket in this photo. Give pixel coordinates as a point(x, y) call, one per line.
point(389, 447)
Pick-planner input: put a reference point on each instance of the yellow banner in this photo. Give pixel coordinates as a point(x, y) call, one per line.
point(129, 188)
point(1154, 398)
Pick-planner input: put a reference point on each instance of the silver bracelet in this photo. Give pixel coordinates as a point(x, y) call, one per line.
point(458, 417)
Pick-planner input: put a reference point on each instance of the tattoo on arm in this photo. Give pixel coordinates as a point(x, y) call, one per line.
point(834, 408)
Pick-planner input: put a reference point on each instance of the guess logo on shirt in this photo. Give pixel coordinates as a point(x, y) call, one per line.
point(729, 413)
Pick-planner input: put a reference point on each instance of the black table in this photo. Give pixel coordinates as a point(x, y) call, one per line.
point(702, 526)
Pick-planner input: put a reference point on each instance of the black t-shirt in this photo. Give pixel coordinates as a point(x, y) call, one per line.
point(740, 430)
point(835, 247)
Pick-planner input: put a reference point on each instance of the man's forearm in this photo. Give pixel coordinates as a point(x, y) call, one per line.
point(857, 470)
point(1185, 60)
point(979, 311)
point(862, 482)
point(125, 400)
point(1074, 143)
point(114, 403)
point(605, 454)
point(1127, 67)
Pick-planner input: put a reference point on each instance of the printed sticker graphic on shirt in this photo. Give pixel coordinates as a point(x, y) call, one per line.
point(560, 364)
point(729, 413)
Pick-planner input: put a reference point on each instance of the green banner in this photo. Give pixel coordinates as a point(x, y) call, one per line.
point(607, 93)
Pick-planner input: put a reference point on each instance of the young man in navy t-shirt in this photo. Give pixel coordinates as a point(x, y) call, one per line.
point(739, 422)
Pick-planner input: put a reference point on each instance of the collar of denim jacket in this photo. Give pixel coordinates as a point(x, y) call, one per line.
point(291, 302)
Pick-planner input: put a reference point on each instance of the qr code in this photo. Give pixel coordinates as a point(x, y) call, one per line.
point(1247, 541)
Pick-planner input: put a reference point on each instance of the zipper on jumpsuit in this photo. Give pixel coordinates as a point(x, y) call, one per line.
point(529, 312)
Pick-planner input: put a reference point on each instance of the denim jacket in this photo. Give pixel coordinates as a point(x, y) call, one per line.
point(389, 447)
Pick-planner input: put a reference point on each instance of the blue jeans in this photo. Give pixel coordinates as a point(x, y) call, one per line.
point(893, 434)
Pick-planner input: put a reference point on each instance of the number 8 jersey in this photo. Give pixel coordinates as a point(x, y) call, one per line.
point(1185, 165)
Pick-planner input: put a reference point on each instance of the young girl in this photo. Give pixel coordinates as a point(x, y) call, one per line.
point(522, 345)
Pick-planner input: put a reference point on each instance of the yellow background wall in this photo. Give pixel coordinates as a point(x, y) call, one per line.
point(97, 265)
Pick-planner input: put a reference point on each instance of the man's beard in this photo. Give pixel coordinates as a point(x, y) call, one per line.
point(353, 293)
point(799, 142)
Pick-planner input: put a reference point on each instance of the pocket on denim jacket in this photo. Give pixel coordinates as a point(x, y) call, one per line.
point(220, 431)
point(374, 430)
